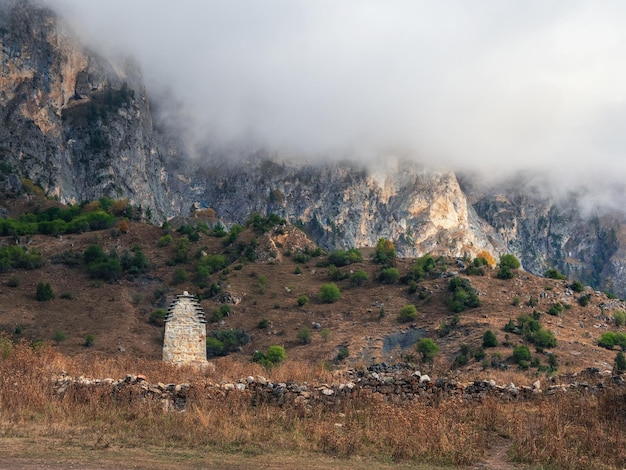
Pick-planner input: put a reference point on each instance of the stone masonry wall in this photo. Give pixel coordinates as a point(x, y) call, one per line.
point(185, 332)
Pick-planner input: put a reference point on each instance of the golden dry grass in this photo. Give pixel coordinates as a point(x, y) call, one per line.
point(571, 430)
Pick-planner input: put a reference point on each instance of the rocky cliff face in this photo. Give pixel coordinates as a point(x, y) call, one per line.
point(75, 123)
point(344, 205)
point(81, 126)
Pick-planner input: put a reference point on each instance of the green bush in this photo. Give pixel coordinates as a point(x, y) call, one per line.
point(304, 335)
point(428, 349)
point(510, 261)
point(180, 276)
point(344, 257)
point(611, 338)
point(15, 257)
point(420, 267)
point(90, 340)
point(44, 292)
point(358, 278)
point(464, 296)
point(620, 362)
point(489, 339)
point(220, 313)
point(303, 300)
point(556, 309)
point(106, 269)
point(264, 323)
point(224, 342)
point(619, 318)
point(577, 286)
point(385, 252)
point(329, 293)
point(544, 339)
point(584, 300)
point(157, 317)
point(521, 353)
point(389, 275)
point(343, 353)
point(335, 274)
point(59, 336)
point(555, 274)
point(273, 356)
point(408, 313)
point(165, 240)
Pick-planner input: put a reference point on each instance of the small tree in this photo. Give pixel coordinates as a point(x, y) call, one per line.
point(385, 252)
point(303, 300)
point(44, 292)
point(489, 339)
point(276, 354)
point(428, 349)
point(389, 275)
point(407, 314)
point(508, 263)
point(521, 353)
point(358, 277)
point(89, 340)
point(304, 335)
point(58, 336)
point(329, 293)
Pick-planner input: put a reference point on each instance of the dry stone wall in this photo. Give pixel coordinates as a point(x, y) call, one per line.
point(184, 341)
point(395, 386)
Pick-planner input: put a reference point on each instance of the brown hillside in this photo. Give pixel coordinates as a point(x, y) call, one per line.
point(117, 313)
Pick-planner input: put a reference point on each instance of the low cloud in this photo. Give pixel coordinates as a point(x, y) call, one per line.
point(489, 86)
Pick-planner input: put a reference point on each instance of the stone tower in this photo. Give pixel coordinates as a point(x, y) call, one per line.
point(185, 331)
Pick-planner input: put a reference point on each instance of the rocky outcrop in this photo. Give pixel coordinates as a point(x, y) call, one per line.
point(77, 124)
point(344, 205)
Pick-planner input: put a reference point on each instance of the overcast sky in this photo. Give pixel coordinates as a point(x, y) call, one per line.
point(487, 84)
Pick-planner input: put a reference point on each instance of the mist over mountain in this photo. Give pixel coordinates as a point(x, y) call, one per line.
point(492, 87)
point(446, 129)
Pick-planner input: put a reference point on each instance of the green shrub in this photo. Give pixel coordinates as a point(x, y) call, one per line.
point(584, 300)
point(385, 252)
point(59, 336)
point(428, 349)
point(303, 300)
point(343, 353)
point(44, 292)
point(335, 274)
point(521, 353)
point(344, 257)
point(223, 342)
point(262, 283)
point(420, 267)
point(180, 276)
point(510, 261)
point(556, 309)
point(15, 257)
point(464, 296)
point(67, 296)
point(220, 313)
point(90, 340)
point(544, 339)
point(325, 333)
point(489, 339)
point(577, 286)
point(408, 313)
point(165, 240)
point(358, 278)
point(619, 318)
point(611, 338)
point(273, 356)
point(329, 293)
point(389, 275)
point(264, 323)
point(555, 274)
point(157, 317)
point(108, 269)
point(509, 327)
point(304, 335)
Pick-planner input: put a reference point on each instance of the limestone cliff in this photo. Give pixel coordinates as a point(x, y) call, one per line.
point(75, 123)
